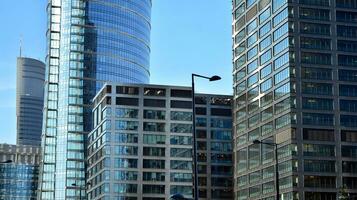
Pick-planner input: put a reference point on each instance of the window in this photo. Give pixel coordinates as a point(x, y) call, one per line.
point(154, 127)
point(127, 90)
point(316, 2)
point(253, 79)
point(317, 88)
point(317, 104)
point(265, 57)
point(154, 92)
point(154, 139)
point(349, 151)
point(154, 164)
point(240, 87)
point(317, 119)
point(253, 93)
point(239, 11)
point(125, 138)
point(252, 66)
point(180, 164)
point(266, 71)
point(266, 99)
point(126, 150)
point(154, 114)
point(240, 75)
point(348, 136)
point(350, 61)
point(348, 90)
point(250, 2)
point(264, 29)
point(347, 31)
point(154, 103)
point(240, 49)
point(125, 188)
point(344, 16)
point(318, 134)
point(347, 45)
point(181, 128)
point(281, 61)
point(319, 166)
point(221, 123)
point(277, 4)
point(252, 107)
point(315, 43)
point(125, 163)
point(153, 189)
point(181, 116)
point(348, 121)
point(346, 4)
point(283, 105)
point(316, 58)
point(252, 39)
point(240, 36)
point(316, 29)
point(126, 125)
point(264, 16)
point(280, 17)
point(181, 177)
point(252, 25)
point(180, 152)
point(320, 182)
point(126, 113)
point(267, 114)
point(181, 104)
point(281, 31)
point(181, 140)
point(127, 101)
point(154, 151)
point(179, 189)
point(181, 93)
point(282, 75)
point(252, 52)
point(153, 176)
point(319, 150)
point(283, 121)
point(315, 14)
point(266, 85)
point(316, 73)
point(348, 105)
point(265, 43)
point(267, 128)
point(281, 46)
point(282, 90)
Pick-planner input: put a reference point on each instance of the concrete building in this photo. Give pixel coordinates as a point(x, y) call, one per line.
point(89, 43)
point(295, 85)
point(19, 178)
point(30, 80)
point(141, 145)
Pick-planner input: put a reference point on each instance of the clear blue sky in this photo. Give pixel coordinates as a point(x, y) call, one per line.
point(187, 36)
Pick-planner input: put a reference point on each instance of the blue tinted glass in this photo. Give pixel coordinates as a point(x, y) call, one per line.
point(265, 71)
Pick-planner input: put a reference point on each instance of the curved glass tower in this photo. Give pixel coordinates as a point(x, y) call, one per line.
point(89, 43)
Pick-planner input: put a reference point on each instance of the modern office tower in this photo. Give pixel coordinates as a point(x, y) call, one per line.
point(89, 43)
point(141, 145)
point(19, 171)
point(295, 85)
point(29, 100)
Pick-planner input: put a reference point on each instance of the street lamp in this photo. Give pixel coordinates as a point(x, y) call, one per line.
point(276, 164)
point(6, 162)
point(213, 78)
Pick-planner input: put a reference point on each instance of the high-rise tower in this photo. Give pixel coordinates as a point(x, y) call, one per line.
point(29, 100)
point(89, 43)
point(295, 86)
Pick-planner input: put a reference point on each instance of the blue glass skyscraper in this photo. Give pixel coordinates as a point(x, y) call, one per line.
point(89, 43)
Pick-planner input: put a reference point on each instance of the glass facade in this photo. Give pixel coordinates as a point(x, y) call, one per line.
point(303, 98)
point(89, 43)
point(19, 179)
point(153, 159)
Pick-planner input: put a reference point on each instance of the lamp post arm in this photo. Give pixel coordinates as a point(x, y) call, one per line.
point(193, 75)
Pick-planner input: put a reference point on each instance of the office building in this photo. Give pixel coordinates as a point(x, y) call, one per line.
point(89, 43)
point(30, 80)
point(295, 86)
point(141, 145)
point(19, 171)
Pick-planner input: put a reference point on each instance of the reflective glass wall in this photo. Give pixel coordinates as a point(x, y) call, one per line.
point(293, 68)
point(89, 43)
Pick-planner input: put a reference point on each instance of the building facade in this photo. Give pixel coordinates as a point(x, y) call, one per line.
point(89, 43)
point(295, 85)
point(30, 80)
point(19, 178)
point(141, 145)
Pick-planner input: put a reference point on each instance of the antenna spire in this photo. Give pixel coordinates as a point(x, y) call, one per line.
point(21, 45)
